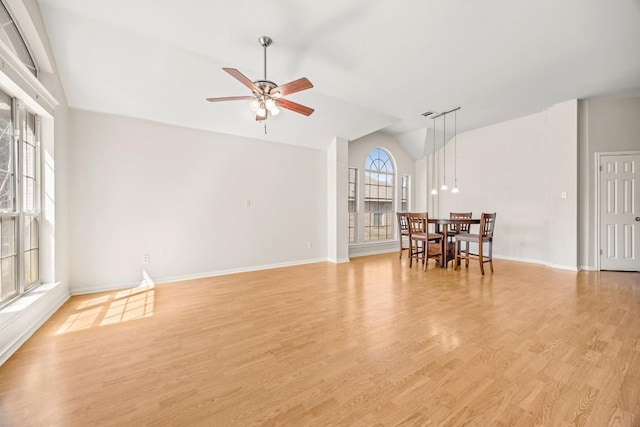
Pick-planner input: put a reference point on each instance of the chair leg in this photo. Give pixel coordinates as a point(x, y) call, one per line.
point(456, 258)
point(466, 259)
point(410, 253)
point(480, 257)
point(491, 255)
point(425, 255)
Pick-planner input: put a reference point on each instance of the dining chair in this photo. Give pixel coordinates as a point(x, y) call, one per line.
point(403, 231)
point(422, 244)
point(459, 228)
point(484, 236)
point(455, 229)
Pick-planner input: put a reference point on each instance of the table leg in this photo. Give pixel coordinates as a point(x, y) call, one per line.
point(445, 245)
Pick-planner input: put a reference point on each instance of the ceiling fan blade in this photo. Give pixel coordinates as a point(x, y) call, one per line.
point(231, 98)
point(294, 106)
point(292, 87)
point(243, 79)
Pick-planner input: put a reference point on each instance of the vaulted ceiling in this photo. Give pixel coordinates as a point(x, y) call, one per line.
point(375, 65)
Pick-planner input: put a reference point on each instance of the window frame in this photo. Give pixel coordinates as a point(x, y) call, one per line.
point(404, 198)
point(32, 66)
point(12, 213)
point(352, 214)
point(35, 211)
point(390, 188)
point(18, 212)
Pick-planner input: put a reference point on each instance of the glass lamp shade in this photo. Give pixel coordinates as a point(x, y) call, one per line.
point(434, 191)
point(444, 187)
point(455, 190)
point(262, 111)
point(254, 105)
point(270, 104)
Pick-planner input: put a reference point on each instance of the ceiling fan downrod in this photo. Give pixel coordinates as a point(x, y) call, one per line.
point(265, 42)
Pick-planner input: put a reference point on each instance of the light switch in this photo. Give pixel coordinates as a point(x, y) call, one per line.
point(247, 203)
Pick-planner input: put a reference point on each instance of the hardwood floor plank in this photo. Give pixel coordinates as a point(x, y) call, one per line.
point(370, 342)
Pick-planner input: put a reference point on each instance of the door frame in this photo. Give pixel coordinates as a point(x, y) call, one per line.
point(598, 156)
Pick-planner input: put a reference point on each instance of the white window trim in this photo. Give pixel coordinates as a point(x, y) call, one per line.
point(18, 81)
point(395, 174)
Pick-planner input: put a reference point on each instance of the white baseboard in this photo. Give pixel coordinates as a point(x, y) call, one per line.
point(382, 249)
point(362, 250)
point(105, 288)
point(563, 267)
point(537, 261)
point(181, 278)
point(586, 268)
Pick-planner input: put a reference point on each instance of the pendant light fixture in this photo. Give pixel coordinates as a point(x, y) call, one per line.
point(444, 186)
point(426, 168)
point(434, 190)
point(455, 189)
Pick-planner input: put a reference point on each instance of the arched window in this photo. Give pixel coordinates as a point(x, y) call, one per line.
point(10, 35)
point(378, 195)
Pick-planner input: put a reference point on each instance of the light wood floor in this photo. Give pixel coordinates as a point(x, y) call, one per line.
point(370, 342)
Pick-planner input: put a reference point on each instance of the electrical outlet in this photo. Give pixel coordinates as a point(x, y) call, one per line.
point(247, 203)
point(146, 258)
point(309, 245)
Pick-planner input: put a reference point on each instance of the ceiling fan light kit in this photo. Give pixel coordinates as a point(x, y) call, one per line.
point(267, 96)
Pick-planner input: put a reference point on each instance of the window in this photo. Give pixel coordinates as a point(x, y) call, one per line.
point(10, 35)
point(8, 217)
point(404, 193)
point(31, 198)
point(19, 199)
point(353, 203)
point(378, 196)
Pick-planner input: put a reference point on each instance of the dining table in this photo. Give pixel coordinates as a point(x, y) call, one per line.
point(442, 227)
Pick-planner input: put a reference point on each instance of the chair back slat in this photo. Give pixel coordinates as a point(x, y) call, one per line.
point(403, 226)
point(417, 222)
point(487, 222)
point(460, 228)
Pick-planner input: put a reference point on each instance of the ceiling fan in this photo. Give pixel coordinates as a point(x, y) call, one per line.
point(267, 96)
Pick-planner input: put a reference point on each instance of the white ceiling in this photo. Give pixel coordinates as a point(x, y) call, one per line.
point(375, 65)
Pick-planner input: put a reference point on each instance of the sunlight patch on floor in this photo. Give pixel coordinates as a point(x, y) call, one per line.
point(117, 307)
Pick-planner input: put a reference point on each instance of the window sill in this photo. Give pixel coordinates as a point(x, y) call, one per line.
point(22, 317)
point(21, 304)
point(373, 244)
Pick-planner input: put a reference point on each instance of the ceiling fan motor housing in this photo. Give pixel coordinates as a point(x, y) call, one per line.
point(267, 86)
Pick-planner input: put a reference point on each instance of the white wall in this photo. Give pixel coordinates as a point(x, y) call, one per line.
point(519, 169)
point(420, 197)
point(405, 164)
point(606, 125)
point(138, 187)
point(337, 203)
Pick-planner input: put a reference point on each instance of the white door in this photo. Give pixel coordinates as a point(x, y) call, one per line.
point(620, 212)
